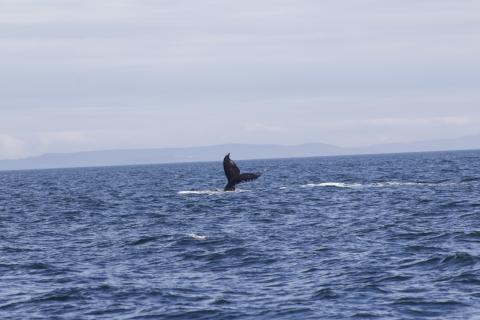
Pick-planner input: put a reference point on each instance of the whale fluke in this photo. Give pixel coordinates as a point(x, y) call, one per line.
point(233, 174)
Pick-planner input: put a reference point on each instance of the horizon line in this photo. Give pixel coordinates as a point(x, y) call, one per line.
point(248, 159)
point(246, 144)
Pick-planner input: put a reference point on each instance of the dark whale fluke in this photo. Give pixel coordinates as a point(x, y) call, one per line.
point(233, 174)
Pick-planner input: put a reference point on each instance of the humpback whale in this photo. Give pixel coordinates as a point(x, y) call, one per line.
point(233, 174)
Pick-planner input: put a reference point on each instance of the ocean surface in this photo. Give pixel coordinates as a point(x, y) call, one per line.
point(350, 237)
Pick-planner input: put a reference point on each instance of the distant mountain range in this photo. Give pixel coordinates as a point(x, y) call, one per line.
point(216, 153)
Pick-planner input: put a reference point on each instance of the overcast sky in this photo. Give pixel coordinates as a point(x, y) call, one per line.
point(89, 74)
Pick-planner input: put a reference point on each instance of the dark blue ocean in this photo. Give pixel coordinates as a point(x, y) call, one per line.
point(351, 237)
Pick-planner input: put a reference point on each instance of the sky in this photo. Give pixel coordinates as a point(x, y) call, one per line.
point(79, 75)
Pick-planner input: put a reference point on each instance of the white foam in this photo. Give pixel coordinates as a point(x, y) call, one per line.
point(399, 184)
point(197, 237)
point(385, 184)
point(210, 192)
point(408, 184)
point(205, 192)
point(333, 184)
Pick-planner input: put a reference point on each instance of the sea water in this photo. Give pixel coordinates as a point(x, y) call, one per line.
point(351, 237)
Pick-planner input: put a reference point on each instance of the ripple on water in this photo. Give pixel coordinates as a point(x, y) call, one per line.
point(454, 260)
point(324, 294)
point(421, 307)
point(144, 241)
point(387, 237)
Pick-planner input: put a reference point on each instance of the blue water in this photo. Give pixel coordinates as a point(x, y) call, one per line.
point(361, 237)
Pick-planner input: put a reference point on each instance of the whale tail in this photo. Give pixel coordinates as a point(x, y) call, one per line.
point(233, 174)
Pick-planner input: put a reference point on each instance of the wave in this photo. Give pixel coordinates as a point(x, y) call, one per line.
point(325, 293)
point(400, 184)
point(456, 260)
point(385, 184)
point(470, 179)
point(209, 192)
point(143, 241)
point(333, 184)
point(197, 237)
point(201, 192)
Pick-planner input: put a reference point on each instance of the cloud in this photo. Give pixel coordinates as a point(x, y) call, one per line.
point(48, 138)
point(12, 148)
point(86, 74)
point(262, 127)
point(448, 121)
point(36, 143)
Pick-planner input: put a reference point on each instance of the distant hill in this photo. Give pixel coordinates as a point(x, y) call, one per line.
point(216, 153)
point(167, 155)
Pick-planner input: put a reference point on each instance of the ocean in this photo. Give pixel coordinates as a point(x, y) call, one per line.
point(350, 237)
